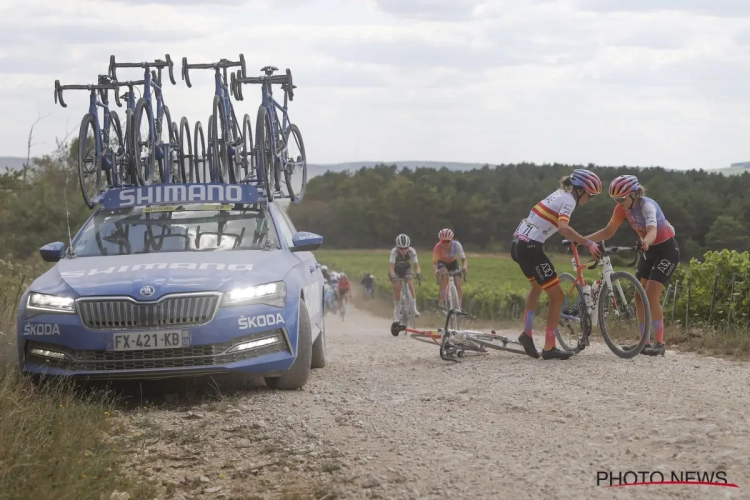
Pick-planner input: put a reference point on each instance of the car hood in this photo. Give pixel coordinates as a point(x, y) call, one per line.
point(166, 272)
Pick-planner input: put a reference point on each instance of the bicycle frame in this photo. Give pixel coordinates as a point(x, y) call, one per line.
point(272, 106)
point(230, 123)
point(607, 270)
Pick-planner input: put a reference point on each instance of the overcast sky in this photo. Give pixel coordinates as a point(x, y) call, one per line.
point(612, 82)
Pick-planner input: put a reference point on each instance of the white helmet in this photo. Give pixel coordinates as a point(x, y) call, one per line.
point(324, 268)
point(402, 241)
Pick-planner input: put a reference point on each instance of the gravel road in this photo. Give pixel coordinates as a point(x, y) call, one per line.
point(387, 418)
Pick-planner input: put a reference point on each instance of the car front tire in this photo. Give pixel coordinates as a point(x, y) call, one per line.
point(296, 377)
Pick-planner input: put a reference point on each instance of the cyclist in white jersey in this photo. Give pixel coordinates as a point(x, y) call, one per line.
point(400, 267)
point(549, 216)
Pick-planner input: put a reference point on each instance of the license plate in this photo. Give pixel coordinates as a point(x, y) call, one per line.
point(138, 341)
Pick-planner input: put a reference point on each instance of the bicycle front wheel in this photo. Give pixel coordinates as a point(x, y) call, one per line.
point(144, 143)
point(219, 146)
point(455, 321)
point(185, 156)
point(200, 165)
point(617, 315)
point(408, 312)
point(574, 319)
point(295, 160)
point(264, 159)
point(89, 161)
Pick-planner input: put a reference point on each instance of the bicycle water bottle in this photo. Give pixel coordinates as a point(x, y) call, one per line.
point(587, 296)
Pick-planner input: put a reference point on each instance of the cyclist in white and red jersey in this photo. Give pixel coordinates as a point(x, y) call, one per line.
point(549, 216)
point(657, 241)
point(445, 255)
point(400, 268)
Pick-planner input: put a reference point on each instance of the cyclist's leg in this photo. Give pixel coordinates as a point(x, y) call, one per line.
point(443, 282)
point(642, 273)
point(521, 255)
point(666, 256)
point(410, 283)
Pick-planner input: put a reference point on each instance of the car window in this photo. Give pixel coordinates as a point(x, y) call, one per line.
point(286, 228)
point(187, 228)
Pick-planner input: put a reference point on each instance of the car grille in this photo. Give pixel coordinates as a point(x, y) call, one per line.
point(126, 313)
point(185, 357)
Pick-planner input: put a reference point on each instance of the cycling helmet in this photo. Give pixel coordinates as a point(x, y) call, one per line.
point(586, 180)
point(623, 185)
point(324, 268)
point(402, 241)
point(445, 234)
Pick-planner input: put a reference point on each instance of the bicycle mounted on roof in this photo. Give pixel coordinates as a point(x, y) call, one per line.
point(229, 157)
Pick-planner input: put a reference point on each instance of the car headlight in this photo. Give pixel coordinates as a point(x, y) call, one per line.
point(271, 294)
point(50, 303)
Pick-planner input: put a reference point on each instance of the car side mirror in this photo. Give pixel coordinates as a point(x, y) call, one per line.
point(306, 242)
point(52, 252)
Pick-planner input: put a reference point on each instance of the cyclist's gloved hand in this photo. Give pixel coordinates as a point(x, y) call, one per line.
point(594, 249)
point(419, 276)
point(642, 246)
point(392, 278)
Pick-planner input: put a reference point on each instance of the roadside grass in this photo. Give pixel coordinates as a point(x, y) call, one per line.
point(58, 441)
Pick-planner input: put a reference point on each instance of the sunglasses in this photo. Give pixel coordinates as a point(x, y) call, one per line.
point(445, 241)
point(403, 248)
point(621, 200)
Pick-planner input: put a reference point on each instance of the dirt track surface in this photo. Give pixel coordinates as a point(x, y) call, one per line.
point(387, 418)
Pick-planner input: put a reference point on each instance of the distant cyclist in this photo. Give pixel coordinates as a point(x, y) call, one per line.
point(549, 216)
point(445, 255)
point(656, 239)
point(368, 284)
point(400, 268)
point(324, 270)
point(343, 287)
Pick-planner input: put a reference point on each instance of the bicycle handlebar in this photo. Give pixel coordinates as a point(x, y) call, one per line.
point(286, 81)
point(102, 86)
point(222, 64)
point(606, 251)
point(158, 64)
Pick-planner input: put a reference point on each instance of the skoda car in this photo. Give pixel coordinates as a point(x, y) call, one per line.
point(152, 289)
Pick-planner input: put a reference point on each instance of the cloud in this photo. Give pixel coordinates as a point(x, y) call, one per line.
point(433, 10)
point(720, 8)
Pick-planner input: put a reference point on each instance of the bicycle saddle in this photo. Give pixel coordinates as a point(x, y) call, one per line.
point(269, 70)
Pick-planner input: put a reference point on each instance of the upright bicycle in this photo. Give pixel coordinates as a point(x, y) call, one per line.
point(101, 145)
point(229, 148)
point(154, 140)
point(452, 296)
point(279, 142)
point(406, 316)
point(610, 303)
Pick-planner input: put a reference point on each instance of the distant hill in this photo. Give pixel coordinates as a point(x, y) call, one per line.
point(313, 170)
point(13, 162)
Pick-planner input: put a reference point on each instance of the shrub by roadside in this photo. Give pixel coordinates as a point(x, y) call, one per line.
point(58, 442)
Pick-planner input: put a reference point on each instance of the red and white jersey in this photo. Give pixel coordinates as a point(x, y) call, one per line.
point(544, 217)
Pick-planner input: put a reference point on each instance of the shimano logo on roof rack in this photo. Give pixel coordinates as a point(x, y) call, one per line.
point(180, 193)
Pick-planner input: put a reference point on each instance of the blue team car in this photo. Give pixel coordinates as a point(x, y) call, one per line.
point(178, 280)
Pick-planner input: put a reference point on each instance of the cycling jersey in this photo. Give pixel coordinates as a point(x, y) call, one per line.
point(343, 284)
point(647, 213)
point(447, 255)
point(399, 259)
point(544, 217)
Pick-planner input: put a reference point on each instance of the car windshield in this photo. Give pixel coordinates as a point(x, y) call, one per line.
point(177, 228)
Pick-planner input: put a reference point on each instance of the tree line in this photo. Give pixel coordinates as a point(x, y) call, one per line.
point(369, 207)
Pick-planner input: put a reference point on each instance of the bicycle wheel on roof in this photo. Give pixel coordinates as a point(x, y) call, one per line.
point(295, 163)
point(89, 161)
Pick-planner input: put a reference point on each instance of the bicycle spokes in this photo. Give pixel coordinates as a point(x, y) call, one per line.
point(618, 311)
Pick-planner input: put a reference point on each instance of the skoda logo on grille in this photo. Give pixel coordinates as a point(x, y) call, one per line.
point(147, 291)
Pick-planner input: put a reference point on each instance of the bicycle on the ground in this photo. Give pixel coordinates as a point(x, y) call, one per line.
point(406, 316)
point(101, 146)
point(452, 301)
point(610, 303)
point(229, 157)
point(455, 342)
point(150, 143)
point(279, 144)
